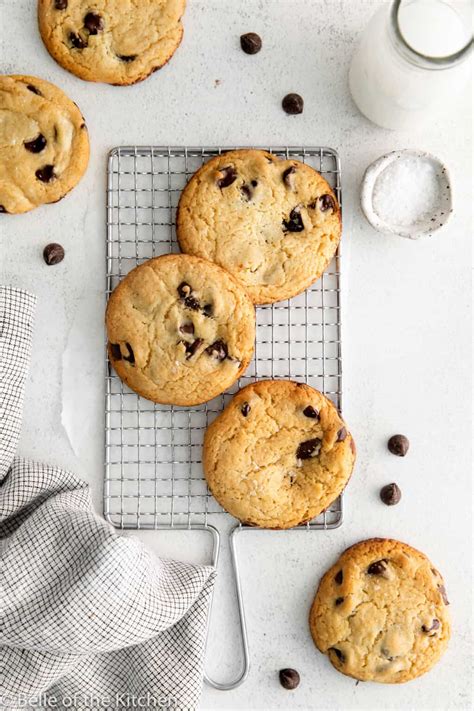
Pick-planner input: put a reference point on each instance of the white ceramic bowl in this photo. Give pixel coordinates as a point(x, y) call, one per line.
point(428, 223)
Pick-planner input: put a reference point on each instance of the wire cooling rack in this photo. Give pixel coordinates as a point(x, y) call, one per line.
point(153, 471)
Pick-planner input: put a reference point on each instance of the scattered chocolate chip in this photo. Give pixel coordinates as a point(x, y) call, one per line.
point(207, 310)
point(398, 444)
point(308, 449)
point(338, 578)
point(293, 104)
point(60, 4)
point(289, 678)
point(218, 350)
point(53, 253)
point(338, 654)
point(131, 356)
point(326, 202)
point(184, 290)
point(390, 494)
point(127, 57)
point(77, 41)
point(94, 23)
point(191, 303)
point(228, 175)
point(36, 145)
point(245, 409)
point(309, 411)
point(34, 89)
point(251, 43)
point(46, 173)
point(191, 348)
point(442, 590)
point(434, 626)
point(377, 568)
point(341, 435)
point(2, 209)
point(339, 601)
point(288, 176)
point(187, 328)
point(295, 221)
point(115, 351)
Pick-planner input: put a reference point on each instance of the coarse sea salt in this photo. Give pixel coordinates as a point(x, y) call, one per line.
point(407, 191)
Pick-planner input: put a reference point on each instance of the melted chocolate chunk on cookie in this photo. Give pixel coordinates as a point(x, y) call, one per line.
point(46, 173)
point(310, 411)
point(309, 449)
point(245, 409)
point(115, 351)
point(434, 626)
point(187, 328)
point(326, 202)
point(442, 590)
point(295, 221)
point(77, 41)
point(218, 350)
point(94, 23)
point(207, 310)
point(184, 290)
point(60, 4)
point(338, 654)
point(377, 568)
point(338, 578)
point(191, 348)
point(191, 303)
point(33, 88)
point(2, 209)
point(341, 435)
point(228, 175)
point(288, 176)
point(339, 601)
point(127, 57)
point(36, 145)
point(131, 356)
point(246, 192)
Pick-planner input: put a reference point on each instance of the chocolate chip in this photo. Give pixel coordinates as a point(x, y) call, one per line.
point(207, 310)
point(218, 350)
point(34, 89)
point(338, 654)
point(390, 494)
point(245, 409)
point(377, 568)
point(77, 41)
point(60, 4)
point(131, 356)
point(184, 289)
point(229, 174)
point(341, 435)
point(36, 145)
point(338, 578)
point(251, 43)
point(434, 626)
point(289, 678)
point(398, 444)
point(53, 253)
point(293, 104)
point(83, 125)
point(46, 173)
point(308, 449)
point(115, 351)
point(326, 203)
point(246, 192)
point(309, 411)
point(127, 57)
point(295, 221)
point(187, 328)
point(191, 348)
point(339, 601)
point(191, 303)
point(442, 590)
point(2, 209)
point(288, 176)
point(94, 23)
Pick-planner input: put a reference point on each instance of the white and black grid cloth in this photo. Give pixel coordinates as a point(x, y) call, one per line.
point(88, 618)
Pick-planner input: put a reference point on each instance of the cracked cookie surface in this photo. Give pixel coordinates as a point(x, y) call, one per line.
point(44, 146)
point(380, 613)
point(278, 455)
point(275, 224)
point(181, 330)
point(114, 41)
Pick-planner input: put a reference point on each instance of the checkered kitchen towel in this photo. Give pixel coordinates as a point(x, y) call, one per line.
point(88, 618)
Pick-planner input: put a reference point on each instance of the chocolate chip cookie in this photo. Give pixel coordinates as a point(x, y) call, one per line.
point(275, 224)
point(380, 613)
point(181, 330)
point(44, 146)
point(278, 455)
point(113, 41)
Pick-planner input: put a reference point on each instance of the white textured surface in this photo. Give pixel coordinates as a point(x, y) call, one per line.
point(406, 319)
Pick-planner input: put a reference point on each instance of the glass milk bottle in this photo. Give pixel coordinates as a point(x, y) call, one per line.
point(413, 59)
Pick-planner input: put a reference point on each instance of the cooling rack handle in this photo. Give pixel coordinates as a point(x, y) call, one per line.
point(227, 686)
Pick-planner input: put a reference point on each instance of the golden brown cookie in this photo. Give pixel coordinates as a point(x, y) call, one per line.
point(275, 224)
point(44, 146)
point(181, 330)
point(112, 41)
point(380, 613)
point(278, 455)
